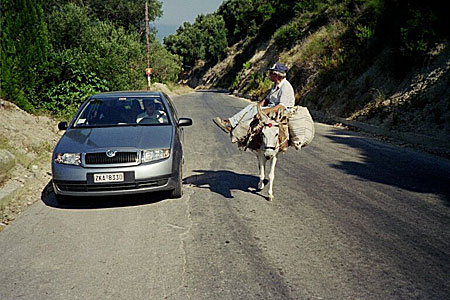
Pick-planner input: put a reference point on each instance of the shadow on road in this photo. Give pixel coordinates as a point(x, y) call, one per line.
point(224, 182)
point(407, 170)
point(49, 199)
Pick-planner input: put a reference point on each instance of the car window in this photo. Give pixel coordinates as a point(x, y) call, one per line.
point(122, 111)
point(172, 107)
point(154, 112)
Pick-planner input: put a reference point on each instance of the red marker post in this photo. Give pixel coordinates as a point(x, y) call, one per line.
point(148, 73)
point(148, 70)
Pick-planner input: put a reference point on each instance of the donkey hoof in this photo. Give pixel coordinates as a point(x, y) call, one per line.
point(270, 198)
point(260, 185)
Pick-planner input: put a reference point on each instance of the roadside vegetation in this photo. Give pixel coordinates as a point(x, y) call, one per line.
point(56, 53)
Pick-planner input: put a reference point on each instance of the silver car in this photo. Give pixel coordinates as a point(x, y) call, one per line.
point(120, 143)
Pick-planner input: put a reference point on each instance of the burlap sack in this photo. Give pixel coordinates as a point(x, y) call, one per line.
point(301, 127)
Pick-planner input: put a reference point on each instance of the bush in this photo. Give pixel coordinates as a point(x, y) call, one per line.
point(97, 57)
point(288, 34)
point(71, 94)
point(418, 34)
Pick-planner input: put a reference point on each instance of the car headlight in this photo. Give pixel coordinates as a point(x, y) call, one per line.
point(155, 154)
point(68, 158)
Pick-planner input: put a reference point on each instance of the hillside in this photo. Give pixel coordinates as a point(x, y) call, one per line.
point(353, 72)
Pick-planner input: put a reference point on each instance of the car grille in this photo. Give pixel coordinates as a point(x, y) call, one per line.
point(83, 187)
point(100, 158)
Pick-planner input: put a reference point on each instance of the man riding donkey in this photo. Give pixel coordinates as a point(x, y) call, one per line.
point(263, 128)
point(281, 97)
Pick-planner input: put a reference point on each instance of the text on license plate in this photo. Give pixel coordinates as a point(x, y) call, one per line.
point(108, 177)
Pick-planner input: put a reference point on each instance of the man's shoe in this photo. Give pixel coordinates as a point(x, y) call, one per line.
point(223, 124)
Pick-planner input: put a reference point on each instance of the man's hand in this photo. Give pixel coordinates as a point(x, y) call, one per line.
point(273, 109)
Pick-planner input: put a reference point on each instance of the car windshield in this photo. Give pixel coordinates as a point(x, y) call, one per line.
point(123, 111)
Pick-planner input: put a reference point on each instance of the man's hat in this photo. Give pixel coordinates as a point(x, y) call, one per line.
point(280, 68)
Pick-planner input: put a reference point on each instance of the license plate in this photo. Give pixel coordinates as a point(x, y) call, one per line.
point(108, 177)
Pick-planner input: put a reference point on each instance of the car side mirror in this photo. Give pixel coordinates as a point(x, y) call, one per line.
point(62, 125)
point(184, 122)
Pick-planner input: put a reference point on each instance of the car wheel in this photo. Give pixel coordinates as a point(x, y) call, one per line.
point(177, 192)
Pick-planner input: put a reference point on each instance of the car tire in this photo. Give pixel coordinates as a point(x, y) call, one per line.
point(177, 192)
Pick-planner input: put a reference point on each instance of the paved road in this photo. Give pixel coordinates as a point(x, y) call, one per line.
point(353, 218)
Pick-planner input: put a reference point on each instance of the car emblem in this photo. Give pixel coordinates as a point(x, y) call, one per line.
point(111, 153)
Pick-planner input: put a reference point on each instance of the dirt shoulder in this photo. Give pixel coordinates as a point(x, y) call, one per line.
point(26, 144)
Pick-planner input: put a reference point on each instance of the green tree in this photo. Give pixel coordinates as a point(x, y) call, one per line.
point(24, 51)
point(166, 66)
point(214, 37)
point(67, 24)
point(238, 17)
point(97, 56)
point(126, 13)
point(206, 40)
point(186, 44)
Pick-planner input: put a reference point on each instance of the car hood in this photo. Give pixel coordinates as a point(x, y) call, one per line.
point(135, 137)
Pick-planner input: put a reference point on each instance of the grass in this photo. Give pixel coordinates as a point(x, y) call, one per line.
point(322, 45)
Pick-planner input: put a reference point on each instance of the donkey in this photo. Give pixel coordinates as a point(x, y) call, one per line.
point(269, 146)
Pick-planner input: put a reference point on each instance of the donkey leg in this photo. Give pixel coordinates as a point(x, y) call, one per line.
point(273, 163)
point(261, 164)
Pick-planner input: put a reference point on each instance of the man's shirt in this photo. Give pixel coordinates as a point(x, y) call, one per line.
point(282, 94)
point(159, 115)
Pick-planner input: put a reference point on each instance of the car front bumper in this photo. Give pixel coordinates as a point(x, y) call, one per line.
point(71, 180)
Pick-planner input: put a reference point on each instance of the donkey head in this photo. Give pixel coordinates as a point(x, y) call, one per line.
point(270, 132)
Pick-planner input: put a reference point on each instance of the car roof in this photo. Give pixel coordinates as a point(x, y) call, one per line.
point(125, 94)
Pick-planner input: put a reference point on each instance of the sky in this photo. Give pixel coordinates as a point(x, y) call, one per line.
point(176, 12)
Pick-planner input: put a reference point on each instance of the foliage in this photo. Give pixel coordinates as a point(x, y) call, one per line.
point(416, 35)
point(74, 48)
point(122, 13)
point(24, 53)
point(95, 56)
point(55, 53)
point(306, 6)
point(245, 18)
point(203, 40)
point(114, 55)
point(259, 85)
point(77, 85)
point(237, 15)
point(66, 26)
point(288, 34)
point(364, 33)
point(411, 28)
point(166, 66)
